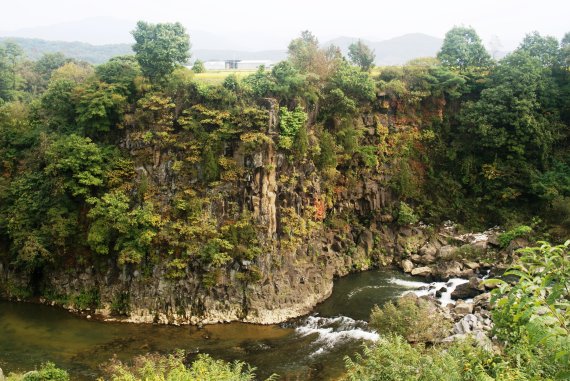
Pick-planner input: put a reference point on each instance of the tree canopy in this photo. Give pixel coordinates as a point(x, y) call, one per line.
point(462, 48)
point(361, 55)
point(159, 48)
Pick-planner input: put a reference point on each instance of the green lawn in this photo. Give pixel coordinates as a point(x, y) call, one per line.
point(214, 77)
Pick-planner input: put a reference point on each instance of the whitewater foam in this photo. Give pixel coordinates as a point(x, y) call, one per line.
point(423, 288)
point(360, 289)
point(332, 331)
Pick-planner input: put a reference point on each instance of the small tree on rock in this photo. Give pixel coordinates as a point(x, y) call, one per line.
point(361, 55)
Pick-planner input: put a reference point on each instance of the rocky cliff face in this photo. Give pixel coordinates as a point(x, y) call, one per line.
point(300, 253)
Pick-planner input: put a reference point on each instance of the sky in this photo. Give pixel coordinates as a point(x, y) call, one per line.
point(265, 24)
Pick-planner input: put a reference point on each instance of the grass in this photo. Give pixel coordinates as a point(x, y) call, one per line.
point(216, 77)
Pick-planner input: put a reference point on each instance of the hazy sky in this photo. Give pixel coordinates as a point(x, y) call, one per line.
point(280, 21)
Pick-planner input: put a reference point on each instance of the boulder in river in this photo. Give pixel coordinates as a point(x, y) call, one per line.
point(407, 265)
point(468, 290)
point(422, 271)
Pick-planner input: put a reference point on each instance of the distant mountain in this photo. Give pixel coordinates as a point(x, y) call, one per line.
point(108, 30)
point(94, 54)
point(395, 51)
point(94, 30)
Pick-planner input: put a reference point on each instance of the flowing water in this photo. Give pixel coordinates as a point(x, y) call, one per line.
point(308, 348)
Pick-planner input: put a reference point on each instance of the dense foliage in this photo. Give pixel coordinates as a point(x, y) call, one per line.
point(172, 368)
point(531, 320)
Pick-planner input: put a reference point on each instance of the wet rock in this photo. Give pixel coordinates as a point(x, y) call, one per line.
point(428, 249)
point(472, 265)
point(493, 239)
point(482, 299)
point(422, 271)
point(451, 269)
point(366, 240)
point(463, 308)
point(517, 243)
point(407, 266)
point(468, 290)
point(447, 252)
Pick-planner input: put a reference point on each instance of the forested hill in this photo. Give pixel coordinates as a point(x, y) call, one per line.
point(94, 54)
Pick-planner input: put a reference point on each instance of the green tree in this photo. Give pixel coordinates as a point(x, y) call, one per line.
point(303, 51)
point(290, 123)
point(509, 134)
point(327, 157)
point(76, 163)
point(129, 231)
point(288, 81)
point(462, 48)
point(361, 55)
point(543, 48)
point(57, 106)
point(565, 51)
point(10, 54)
point(100, 107)
point(198, 67)
point(122, 72)
point(259, 83)
point(348, 87)
point(159, 48)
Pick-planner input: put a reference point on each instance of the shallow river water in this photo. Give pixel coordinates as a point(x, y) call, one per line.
point(308, 348)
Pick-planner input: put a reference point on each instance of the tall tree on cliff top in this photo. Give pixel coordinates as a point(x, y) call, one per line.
point(160, 48)
point(302, 51)
point(462, 48)
point(361, 55)
point(544, 48)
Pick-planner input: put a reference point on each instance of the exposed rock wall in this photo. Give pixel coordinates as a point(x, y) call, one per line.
point(294, 272)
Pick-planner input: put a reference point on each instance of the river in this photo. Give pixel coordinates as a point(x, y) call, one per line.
point(307, 348)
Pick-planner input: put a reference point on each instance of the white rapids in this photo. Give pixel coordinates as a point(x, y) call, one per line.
point(335, 330)
point(423, 288)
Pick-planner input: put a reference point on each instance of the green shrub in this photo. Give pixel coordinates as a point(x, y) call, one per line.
point(532, 316)
point(393, 359)
point(86, 299)
point(290, 122)
point(47, 372)
point(120, 303)
point(416, 319)
point(406, 215)
point(172, 368)
point(517, 232)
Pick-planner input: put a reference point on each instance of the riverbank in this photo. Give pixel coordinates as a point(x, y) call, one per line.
point(292, 286)
point(311, 348)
